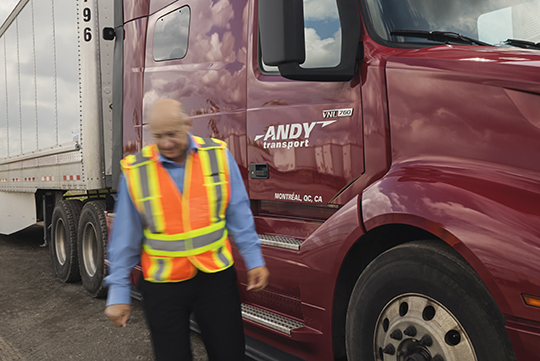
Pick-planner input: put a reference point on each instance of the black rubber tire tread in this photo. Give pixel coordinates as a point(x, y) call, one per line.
point(68, 211)
point(434, 269)
point(94, 212)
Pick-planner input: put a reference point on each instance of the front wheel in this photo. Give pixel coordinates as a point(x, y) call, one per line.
point(421, 302)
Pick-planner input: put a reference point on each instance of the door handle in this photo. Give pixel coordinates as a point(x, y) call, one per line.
point(258, 171)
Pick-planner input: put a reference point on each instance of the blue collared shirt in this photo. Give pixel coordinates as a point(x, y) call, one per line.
point(124, 250)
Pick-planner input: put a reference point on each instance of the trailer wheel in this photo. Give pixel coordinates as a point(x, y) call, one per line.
point(420, 302)
point(63, 247)
point(92, 245)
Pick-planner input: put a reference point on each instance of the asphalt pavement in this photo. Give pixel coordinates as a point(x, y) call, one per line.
point(42, 319)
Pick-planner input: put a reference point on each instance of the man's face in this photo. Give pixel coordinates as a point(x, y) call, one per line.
point(169, 131)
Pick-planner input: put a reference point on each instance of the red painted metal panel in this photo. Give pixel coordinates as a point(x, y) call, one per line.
point(156, 5)
point(459, 164)
point(134, 51)
point(486, 213)
point(451, 101)
point(134, 9)
point(311, 157)
point(376, 131)
point(210, 81)
point(525, 336)
point(303, 282)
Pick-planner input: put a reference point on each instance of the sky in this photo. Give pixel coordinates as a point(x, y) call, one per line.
point(6, 6)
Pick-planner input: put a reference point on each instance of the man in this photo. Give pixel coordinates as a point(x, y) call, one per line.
point(178, 201)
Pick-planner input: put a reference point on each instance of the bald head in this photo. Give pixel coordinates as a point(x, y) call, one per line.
point(169, 125)
point(170, 112)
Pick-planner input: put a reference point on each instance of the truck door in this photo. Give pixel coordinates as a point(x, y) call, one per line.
point(304, 138)
point(304, 146)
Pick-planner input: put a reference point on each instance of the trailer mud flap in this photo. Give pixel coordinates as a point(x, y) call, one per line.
point(17, 211)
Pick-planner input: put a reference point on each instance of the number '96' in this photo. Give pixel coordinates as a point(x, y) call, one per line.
point(87, 16)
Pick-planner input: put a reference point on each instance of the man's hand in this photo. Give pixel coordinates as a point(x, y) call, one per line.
point(257, 278)
point(118, 314)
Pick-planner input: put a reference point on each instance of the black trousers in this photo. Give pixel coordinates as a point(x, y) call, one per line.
point(213, 298)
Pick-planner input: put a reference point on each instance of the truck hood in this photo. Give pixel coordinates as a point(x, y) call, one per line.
point(511, 68)
point(466, 102)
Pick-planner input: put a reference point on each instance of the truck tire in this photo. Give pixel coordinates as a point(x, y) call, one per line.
point(63, 246)
point(92, 247)
point(420, 301)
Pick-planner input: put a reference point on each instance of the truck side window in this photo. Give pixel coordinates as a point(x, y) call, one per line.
point(322, 30)
point(171, 35)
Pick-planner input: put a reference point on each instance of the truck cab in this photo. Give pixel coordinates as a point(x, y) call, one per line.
point(389, 150)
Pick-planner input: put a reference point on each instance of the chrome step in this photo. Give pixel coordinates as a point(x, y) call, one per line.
point(269, 319)
point(280, 242)
point(136, 293)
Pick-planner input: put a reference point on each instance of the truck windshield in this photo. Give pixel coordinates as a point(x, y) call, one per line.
point(483, 22)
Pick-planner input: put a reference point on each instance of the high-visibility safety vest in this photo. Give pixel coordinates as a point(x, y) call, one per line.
point(183, 231)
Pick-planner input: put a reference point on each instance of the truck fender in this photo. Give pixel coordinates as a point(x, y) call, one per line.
point(487, 214)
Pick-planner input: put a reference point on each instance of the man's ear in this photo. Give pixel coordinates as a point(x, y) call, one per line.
point(188, 124)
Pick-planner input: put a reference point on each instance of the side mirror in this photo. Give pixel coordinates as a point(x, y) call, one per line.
point(281, 27)
point(283, 36)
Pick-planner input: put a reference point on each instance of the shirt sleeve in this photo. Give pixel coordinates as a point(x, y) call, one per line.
point(124, 249)
point(239, 220)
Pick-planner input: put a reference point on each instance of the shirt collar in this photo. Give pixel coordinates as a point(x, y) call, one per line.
point(192, 147)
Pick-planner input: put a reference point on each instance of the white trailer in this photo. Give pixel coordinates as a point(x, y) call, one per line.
point(56, 129)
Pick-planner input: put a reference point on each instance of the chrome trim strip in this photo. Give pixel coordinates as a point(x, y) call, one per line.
point(63, 148)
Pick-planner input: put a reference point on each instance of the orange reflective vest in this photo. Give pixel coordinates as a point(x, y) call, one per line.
point(183, 231)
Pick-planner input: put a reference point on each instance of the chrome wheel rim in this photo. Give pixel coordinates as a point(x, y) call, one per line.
point(60, 241)
point(415, 327)
point(89, 248)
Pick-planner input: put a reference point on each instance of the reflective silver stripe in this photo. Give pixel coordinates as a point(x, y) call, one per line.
point(214, 167)
point(184, 245)
point(147, 205)
point(211, 150)
point(139, 158)
point(222, 257)
point(209, 142)
point(147, 217)
point(212, 155)
point(159, 276)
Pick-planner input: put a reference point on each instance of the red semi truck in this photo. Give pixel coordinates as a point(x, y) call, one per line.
point(390, 149)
